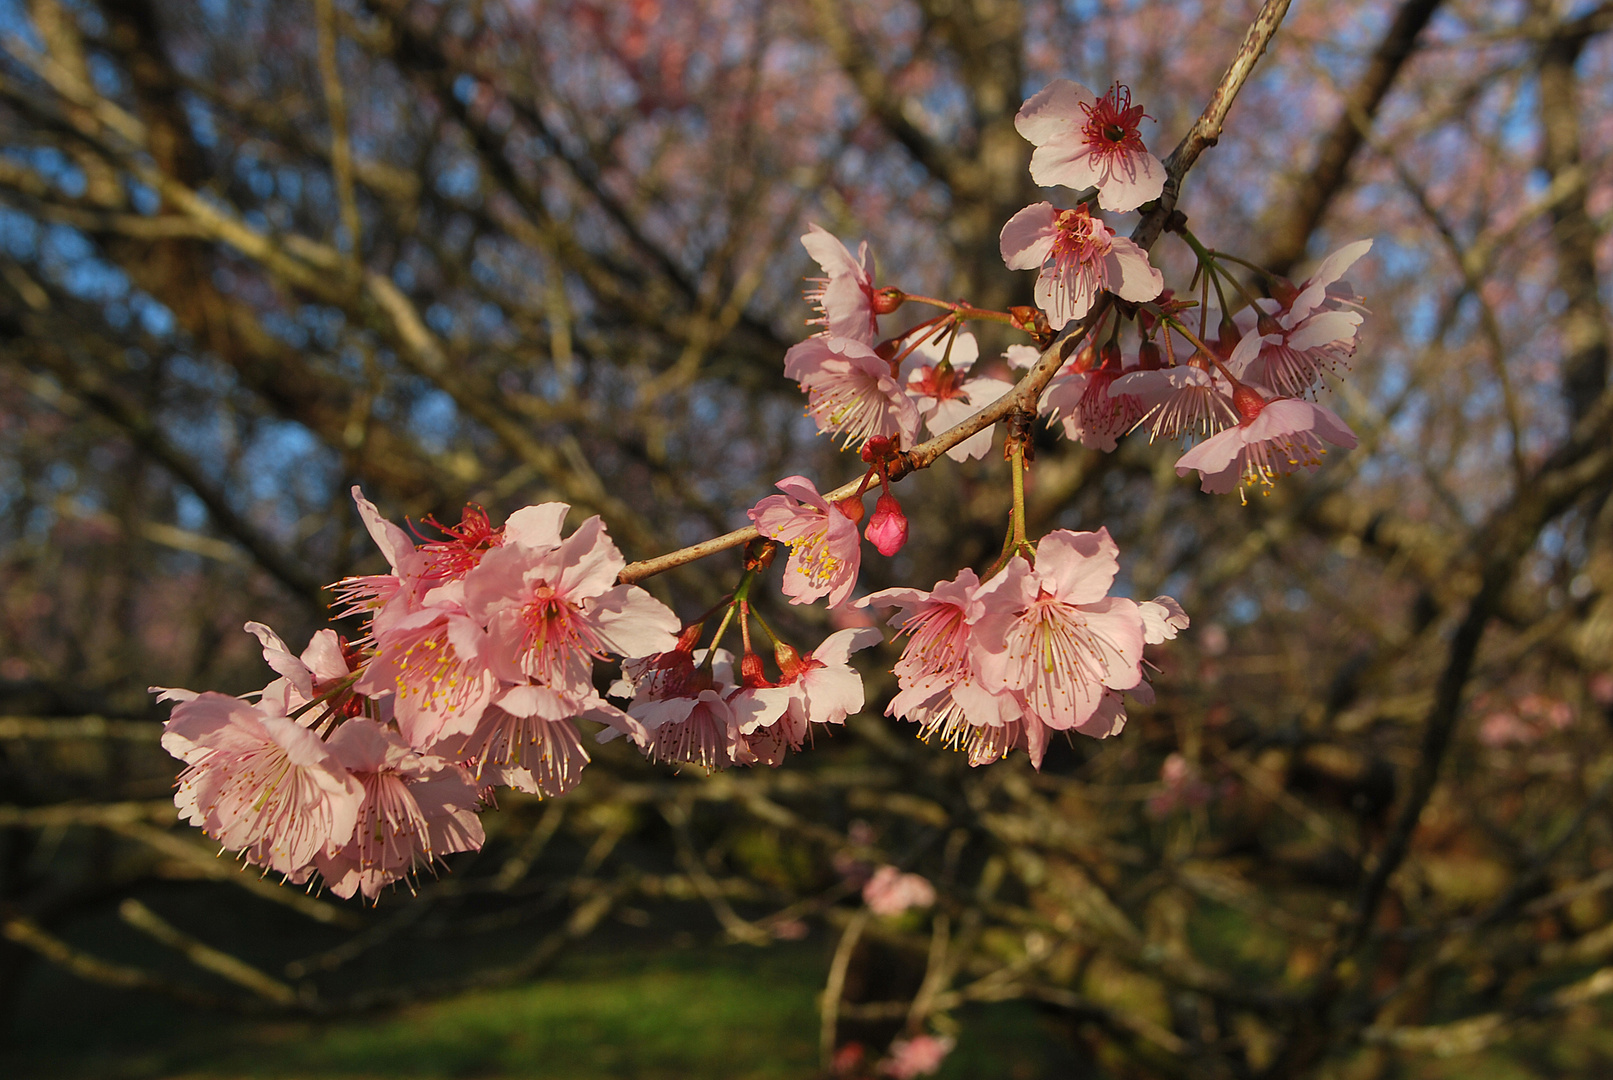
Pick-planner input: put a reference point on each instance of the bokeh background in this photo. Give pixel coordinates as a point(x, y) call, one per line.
point(508, 251)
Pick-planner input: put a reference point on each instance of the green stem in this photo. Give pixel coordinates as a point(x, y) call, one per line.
point(1019, 495)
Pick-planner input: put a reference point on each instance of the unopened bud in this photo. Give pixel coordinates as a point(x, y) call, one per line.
point(852, 507)
point(887, 529)
point(887, 300)
point(877, 446)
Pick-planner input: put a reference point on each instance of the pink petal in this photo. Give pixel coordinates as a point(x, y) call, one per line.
point(1052, 110)
point(1027, 240)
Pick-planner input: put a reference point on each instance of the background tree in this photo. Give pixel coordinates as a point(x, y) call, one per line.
point(253, 253)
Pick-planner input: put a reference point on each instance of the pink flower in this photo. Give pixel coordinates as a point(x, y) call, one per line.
point(369, 593)
point(527, 739)
point(890, 892)
point(1181, 401)
point(1282, 436)
point(552, 609)
point(1163, 619)
point(682, 703)
point(1083, 142)
point(1079, 257)
point(946, 398)
point(939, 680)
point(887, 526)
point(921, 1055)
point(1290, 345)
point(825, 550)
point(318, 672)
point(818, 687)
point(851, 392)
point(845, 297)
point(433, 663)
point(1022, 357)
point(1069, 642)
point(415, 810)
point(260, 783)
point(1090, 409)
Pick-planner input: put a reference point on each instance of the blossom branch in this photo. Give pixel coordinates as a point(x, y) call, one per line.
point(1027, 392)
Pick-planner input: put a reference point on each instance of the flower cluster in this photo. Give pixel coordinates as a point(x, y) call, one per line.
point(368, 760)
point(995, 666)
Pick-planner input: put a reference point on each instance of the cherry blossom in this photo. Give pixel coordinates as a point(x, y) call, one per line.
point(1274, 438)
point(1179, 402)
point(550, 610)
point(946, 395)
point(890, 892)
point(1078, 256)
point(845, 297)
point(1291, 344)
point(825, 550)
point(260, 783)
point(528, 740)
point(1068, 642)
point(1084, 142)
point(921, 1055)
point(1089, 408)
point(939, 682)
point(851, 392)
point(415, 810)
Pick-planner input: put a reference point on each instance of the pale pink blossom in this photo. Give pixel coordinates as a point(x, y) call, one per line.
point(1068, 642)
point(817, 687)
point(851, 392)
point(1163, 619)
point(260, 783)
point(946, 395)
point(1088, 408)
point(1178, 402)
point(527, 739)
point(921, 1055)
point(1078, 257)
point(682, 702)
point(1087, 142)
point(825, 549)
point(551, 610)
point(1287, 346)
point(844, 297)
point(939, 683)
point(1283, 436)
point(1022, 357)
point(319, 672)
point(369, 593)
point(433, 665)
point(415, 810)
point(890, 892)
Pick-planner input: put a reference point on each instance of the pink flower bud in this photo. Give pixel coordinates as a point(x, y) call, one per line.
point(887, 529)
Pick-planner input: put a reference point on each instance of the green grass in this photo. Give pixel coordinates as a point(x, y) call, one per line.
point(746, 1017)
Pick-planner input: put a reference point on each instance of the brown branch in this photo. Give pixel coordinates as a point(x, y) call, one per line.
point(204, 956)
